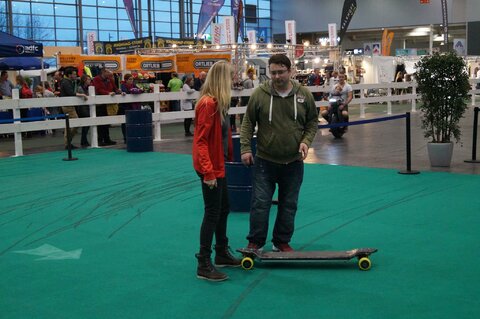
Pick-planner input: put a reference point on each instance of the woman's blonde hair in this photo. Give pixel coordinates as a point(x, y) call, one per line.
point(218, 85)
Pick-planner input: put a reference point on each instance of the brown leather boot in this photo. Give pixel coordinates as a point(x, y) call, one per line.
point(206, 270)
point(224, 258)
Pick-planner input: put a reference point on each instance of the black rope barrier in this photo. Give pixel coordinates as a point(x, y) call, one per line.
point(474, 142)
point(409, 170)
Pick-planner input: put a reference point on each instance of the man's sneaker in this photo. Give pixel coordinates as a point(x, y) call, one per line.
point(254, 246)
point(282, 247)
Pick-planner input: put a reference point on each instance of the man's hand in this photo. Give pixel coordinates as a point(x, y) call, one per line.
point(247, 159)
point(112, 93)
point(303, 149)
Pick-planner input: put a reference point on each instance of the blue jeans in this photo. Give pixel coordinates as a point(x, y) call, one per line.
point(289, 178)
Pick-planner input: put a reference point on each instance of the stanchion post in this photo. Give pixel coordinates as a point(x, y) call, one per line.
point(408, 171)
point(474, 143)
point(69, 140)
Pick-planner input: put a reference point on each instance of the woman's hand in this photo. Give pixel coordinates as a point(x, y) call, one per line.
point(211, 183)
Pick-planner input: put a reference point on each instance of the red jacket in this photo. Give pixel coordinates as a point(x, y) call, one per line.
point(208, 155)
point(103, 86)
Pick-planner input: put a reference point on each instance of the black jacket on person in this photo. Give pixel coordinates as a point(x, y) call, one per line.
point(68, 87)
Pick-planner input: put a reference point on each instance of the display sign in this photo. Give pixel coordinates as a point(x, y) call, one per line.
point(91, 38)
point(164, 64)
point(122, 47)
point(112, 63)
point(198, 62)
point(424, 1)
point(357, 51)
point(229, 28)
point(290, 32)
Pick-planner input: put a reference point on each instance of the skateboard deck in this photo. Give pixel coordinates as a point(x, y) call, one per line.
point(362, 254)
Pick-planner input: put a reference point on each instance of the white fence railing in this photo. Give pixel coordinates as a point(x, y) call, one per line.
point(364, 94)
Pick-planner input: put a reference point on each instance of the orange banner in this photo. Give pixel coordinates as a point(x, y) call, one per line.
point(164, 64)
point(198, 62)
point(111, 62)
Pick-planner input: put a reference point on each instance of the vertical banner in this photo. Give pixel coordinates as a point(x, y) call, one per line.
point(217, 33)
point(91, 38)
point(208, 11)
point(252, 36)
point(384, 41)
point(290, 31)
point(376, 49)
point(229, 27)
point(445, 22)
point(459, 46)
point(349, 8)
point(131, 15)
point(237, 12)
point(332, 34)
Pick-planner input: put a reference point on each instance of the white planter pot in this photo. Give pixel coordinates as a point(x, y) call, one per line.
point(440, 154)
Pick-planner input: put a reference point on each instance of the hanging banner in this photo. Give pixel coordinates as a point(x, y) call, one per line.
point(332, 34)
point(237, 13)
point(208, 11)
point(131, 15)
point(198, 62)
point(389, 43)
point(349, 8)
point(91, 38)
point(164, 64)
point(217, 33)
point(445, 22)
point(252, 36)
point(112, 62)
point(229, 27)
point(376, 49)
point(290, 32)
point(384, 41)
point(459, 46)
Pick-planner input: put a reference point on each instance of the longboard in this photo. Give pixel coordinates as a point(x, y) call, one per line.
point(364, 263)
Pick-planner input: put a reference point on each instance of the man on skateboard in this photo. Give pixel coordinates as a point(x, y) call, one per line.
point(286, 117)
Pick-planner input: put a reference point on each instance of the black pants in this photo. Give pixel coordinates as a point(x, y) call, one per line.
point(215, 216)
point(84, 111)
point(103, 130)
point(186, 125)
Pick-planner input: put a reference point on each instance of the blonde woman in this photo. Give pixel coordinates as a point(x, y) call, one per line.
point(212, 146)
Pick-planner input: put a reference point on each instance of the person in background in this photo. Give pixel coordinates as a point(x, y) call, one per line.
point(284, 112)
point(212, 146)
point(104, 85)
point(128, 87)
point(57, 79)
point(68, 87)
point(187, 105)
point(83, 111)
point(198, 82)
point(6, 86)
point(175, 85)
point(316, 79)
point(25, 93)
point(346, 92)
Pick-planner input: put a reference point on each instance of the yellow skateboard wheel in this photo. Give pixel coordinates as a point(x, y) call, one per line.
point(247, 263)
point(364, 263)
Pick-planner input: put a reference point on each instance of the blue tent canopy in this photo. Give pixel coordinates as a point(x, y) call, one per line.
point(11, 46)
point(23, 63)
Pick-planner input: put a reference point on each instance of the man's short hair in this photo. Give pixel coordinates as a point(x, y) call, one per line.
point(281, 59)
point(3, 73)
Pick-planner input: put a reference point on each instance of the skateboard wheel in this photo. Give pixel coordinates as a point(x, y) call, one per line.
point(364, 263)
point(247, 263)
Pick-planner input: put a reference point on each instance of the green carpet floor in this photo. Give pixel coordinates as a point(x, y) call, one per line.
point(113, 235)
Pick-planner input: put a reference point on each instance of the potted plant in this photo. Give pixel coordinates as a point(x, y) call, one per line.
point(443, 84)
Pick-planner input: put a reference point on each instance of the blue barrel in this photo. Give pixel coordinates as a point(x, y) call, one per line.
point(239, 185)
point(139, 130)
point(237, 155)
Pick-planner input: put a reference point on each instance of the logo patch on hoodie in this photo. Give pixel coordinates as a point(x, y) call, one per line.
point(300, 98)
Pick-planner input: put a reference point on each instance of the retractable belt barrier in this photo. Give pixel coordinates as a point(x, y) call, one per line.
point(406, 116)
